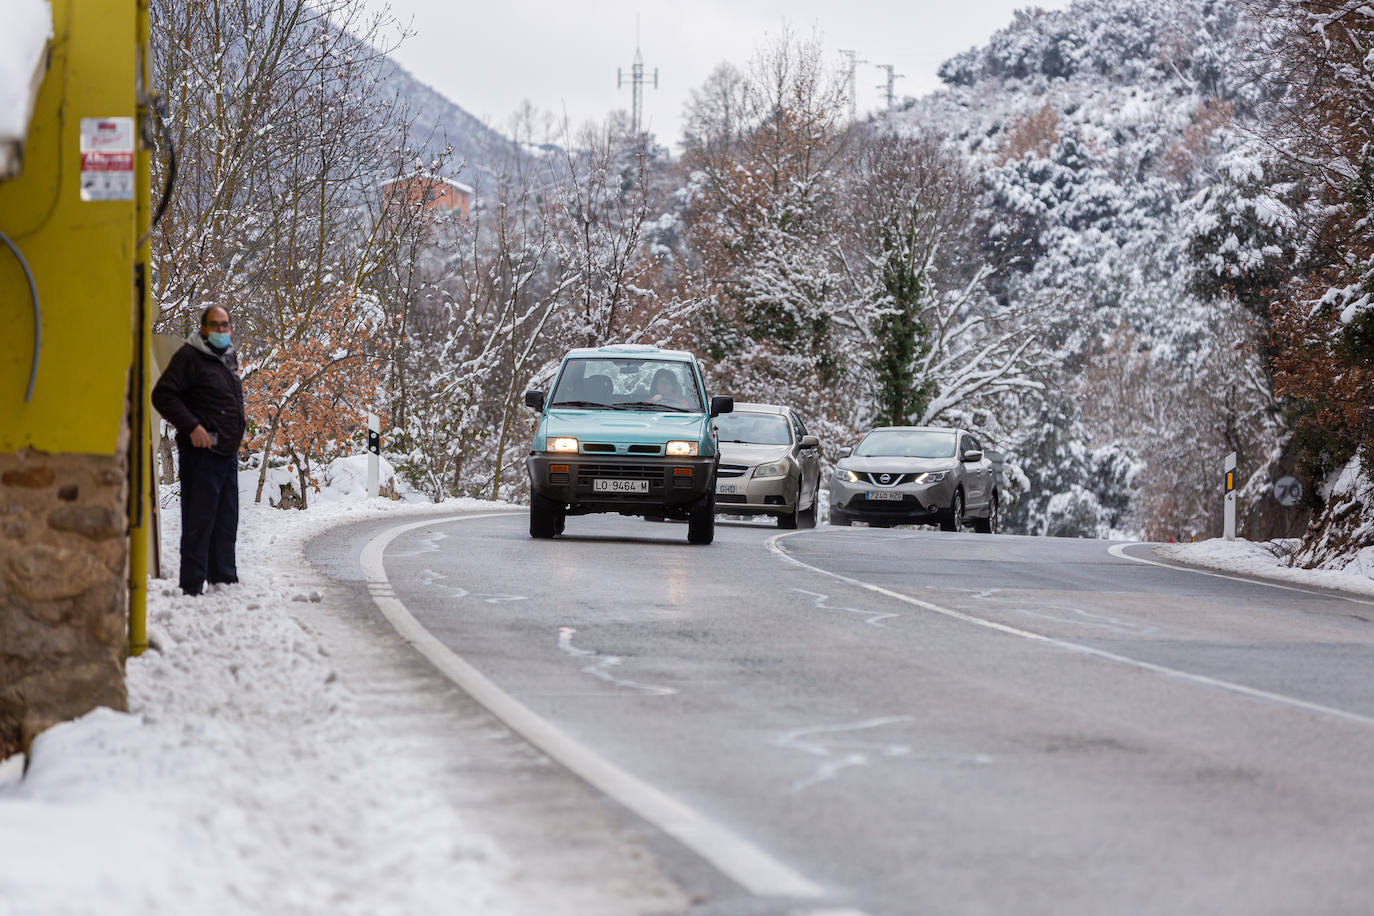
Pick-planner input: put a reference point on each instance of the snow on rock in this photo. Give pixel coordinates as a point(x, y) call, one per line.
point(23, 40)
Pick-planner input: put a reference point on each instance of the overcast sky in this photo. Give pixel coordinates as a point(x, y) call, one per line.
point(562, 56)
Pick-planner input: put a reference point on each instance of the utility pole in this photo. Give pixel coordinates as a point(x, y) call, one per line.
point(636, 81)
point(891, 78)
point(854, 61)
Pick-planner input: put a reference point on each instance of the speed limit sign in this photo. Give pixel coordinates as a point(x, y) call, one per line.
point(1288, 490)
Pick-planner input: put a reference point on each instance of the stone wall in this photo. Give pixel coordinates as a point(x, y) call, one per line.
point(64, 560)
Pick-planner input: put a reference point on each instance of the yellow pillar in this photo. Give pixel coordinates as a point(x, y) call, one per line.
point(142, 481)
point(77, 227)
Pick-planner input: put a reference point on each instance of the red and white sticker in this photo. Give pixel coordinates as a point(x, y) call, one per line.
point(107, 158)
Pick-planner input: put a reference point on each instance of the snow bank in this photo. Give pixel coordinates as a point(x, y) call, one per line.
point(1268, 560)
point(23, 41)
point(244, 778)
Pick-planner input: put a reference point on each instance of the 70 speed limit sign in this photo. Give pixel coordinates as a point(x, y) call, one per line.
point(1288, 490)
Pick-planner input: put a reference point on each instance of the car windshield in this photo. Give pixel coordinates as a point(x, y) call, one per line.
point(907, 443)
point(758, 428)
point(627, 383)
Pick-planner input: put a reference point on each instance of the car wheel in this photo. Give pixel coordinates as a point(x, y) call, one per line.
point(545, 521)
point(701, 522)
point(987, 525)
point(955, 519)
point(838, 517)
point(789, 520)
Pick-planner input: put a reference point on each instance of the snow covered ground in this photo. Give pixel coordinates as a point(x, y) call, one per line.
point(1266, 560)
point(260, 772)
point(265, 764)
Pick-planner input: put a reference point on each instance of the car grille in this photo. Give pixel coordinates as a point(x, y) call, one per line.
point(875, 478)
point(586, 473)
point(732, 470)
point(863, 504)
point(603, 448)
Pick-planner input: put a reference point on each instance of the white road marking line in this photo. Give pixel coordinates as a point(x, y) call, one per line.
point(1119, 551)
point(1294, 702)
point(875, 618)
point(752, 868)
point(839, 752)
point(600, 668)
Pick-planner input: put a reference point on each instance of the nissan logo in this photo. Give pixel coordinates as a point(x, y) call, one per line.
point(884, 478)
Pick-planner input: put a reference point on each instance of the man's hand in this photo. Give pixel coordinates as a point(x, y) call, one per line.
point(199, 437)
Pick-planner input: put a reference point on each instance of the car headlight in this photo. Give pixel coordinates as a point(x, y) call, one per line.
point(679, 447)
point(930, 477)
point(776, 469)
point(560, 444)
point(846, 475)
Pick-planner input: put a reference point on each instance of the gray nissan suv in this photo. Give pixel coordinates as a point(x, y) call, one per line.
point(917, 475)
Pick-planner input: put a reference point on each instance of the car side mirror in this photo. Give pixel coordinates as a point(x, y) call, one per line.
point(973, 455)
point(846, 451)
point(810, 442)
point(722, 403)
point(534, 399)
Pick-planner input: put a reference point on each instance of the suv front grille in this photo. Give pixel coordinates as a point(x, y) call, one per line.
point(893, 480)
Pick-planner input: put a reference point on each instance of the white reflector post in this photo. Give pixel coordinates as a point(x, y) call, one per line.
point(374, 451)
point(1228, 530)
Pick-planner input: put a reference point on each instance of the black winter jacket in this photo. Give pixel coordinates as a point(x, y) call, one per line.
point(202, 387)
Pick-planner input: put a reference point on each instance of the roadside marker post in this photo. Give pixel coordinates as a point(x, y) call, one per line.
point(1229, 522)
point(374, 451)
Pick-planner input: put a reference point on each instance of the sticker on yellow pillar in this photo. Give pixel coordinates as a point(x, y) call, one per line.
point(107, 158)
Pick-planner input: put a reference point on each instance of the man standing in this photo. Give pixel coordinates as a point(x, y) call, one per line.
point(201, 395)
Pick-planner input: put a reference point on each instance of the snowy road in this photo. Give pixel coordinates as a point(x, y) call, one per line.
point(908, 721)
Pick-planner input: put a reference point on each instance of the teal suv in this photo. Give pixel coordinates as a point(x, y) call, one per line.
point(625, 429)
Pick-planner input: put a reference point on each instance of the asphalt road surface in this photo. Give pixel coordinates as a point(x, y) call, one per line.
point(905, 721)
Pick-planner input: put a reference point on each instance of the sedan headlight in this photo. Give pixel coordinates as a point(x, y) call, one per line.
point(930, 477)
point(679, 447)
point(776, 469)
point(846, 475)
point(560, 444)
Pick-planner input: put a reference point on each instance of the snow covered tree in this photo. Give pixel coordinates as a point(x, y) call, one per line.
point(762, 148)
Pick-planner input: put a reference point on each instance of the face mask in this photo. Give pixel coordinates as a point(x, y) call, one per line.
point(218, 339)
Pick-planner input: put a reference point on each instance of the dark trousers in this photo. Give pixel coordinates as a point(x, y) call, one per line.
point(209, 518)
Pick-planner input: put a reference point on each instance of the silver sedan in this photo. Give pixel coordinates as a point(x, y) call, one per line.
point(769, 465)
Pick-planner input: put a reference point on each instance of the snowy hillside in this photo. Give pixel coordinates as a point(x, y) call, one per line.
point(479, 149)
point(1097, 129)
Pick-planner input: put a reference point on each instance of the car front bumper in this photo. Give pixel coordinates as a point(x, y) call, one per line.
point(918, 504)
point(668, 483)
point(747, 495)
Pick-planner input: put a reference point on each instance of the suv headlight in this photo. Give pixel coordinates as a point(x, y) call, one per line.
point(560, 444)
point(680, 447)
point(776, 469)
point(846, 475)
point(930, 477)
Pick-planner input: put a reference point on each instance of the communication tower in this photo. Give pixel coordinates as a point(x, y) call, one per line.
point(891, 79)
point(637, 79)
